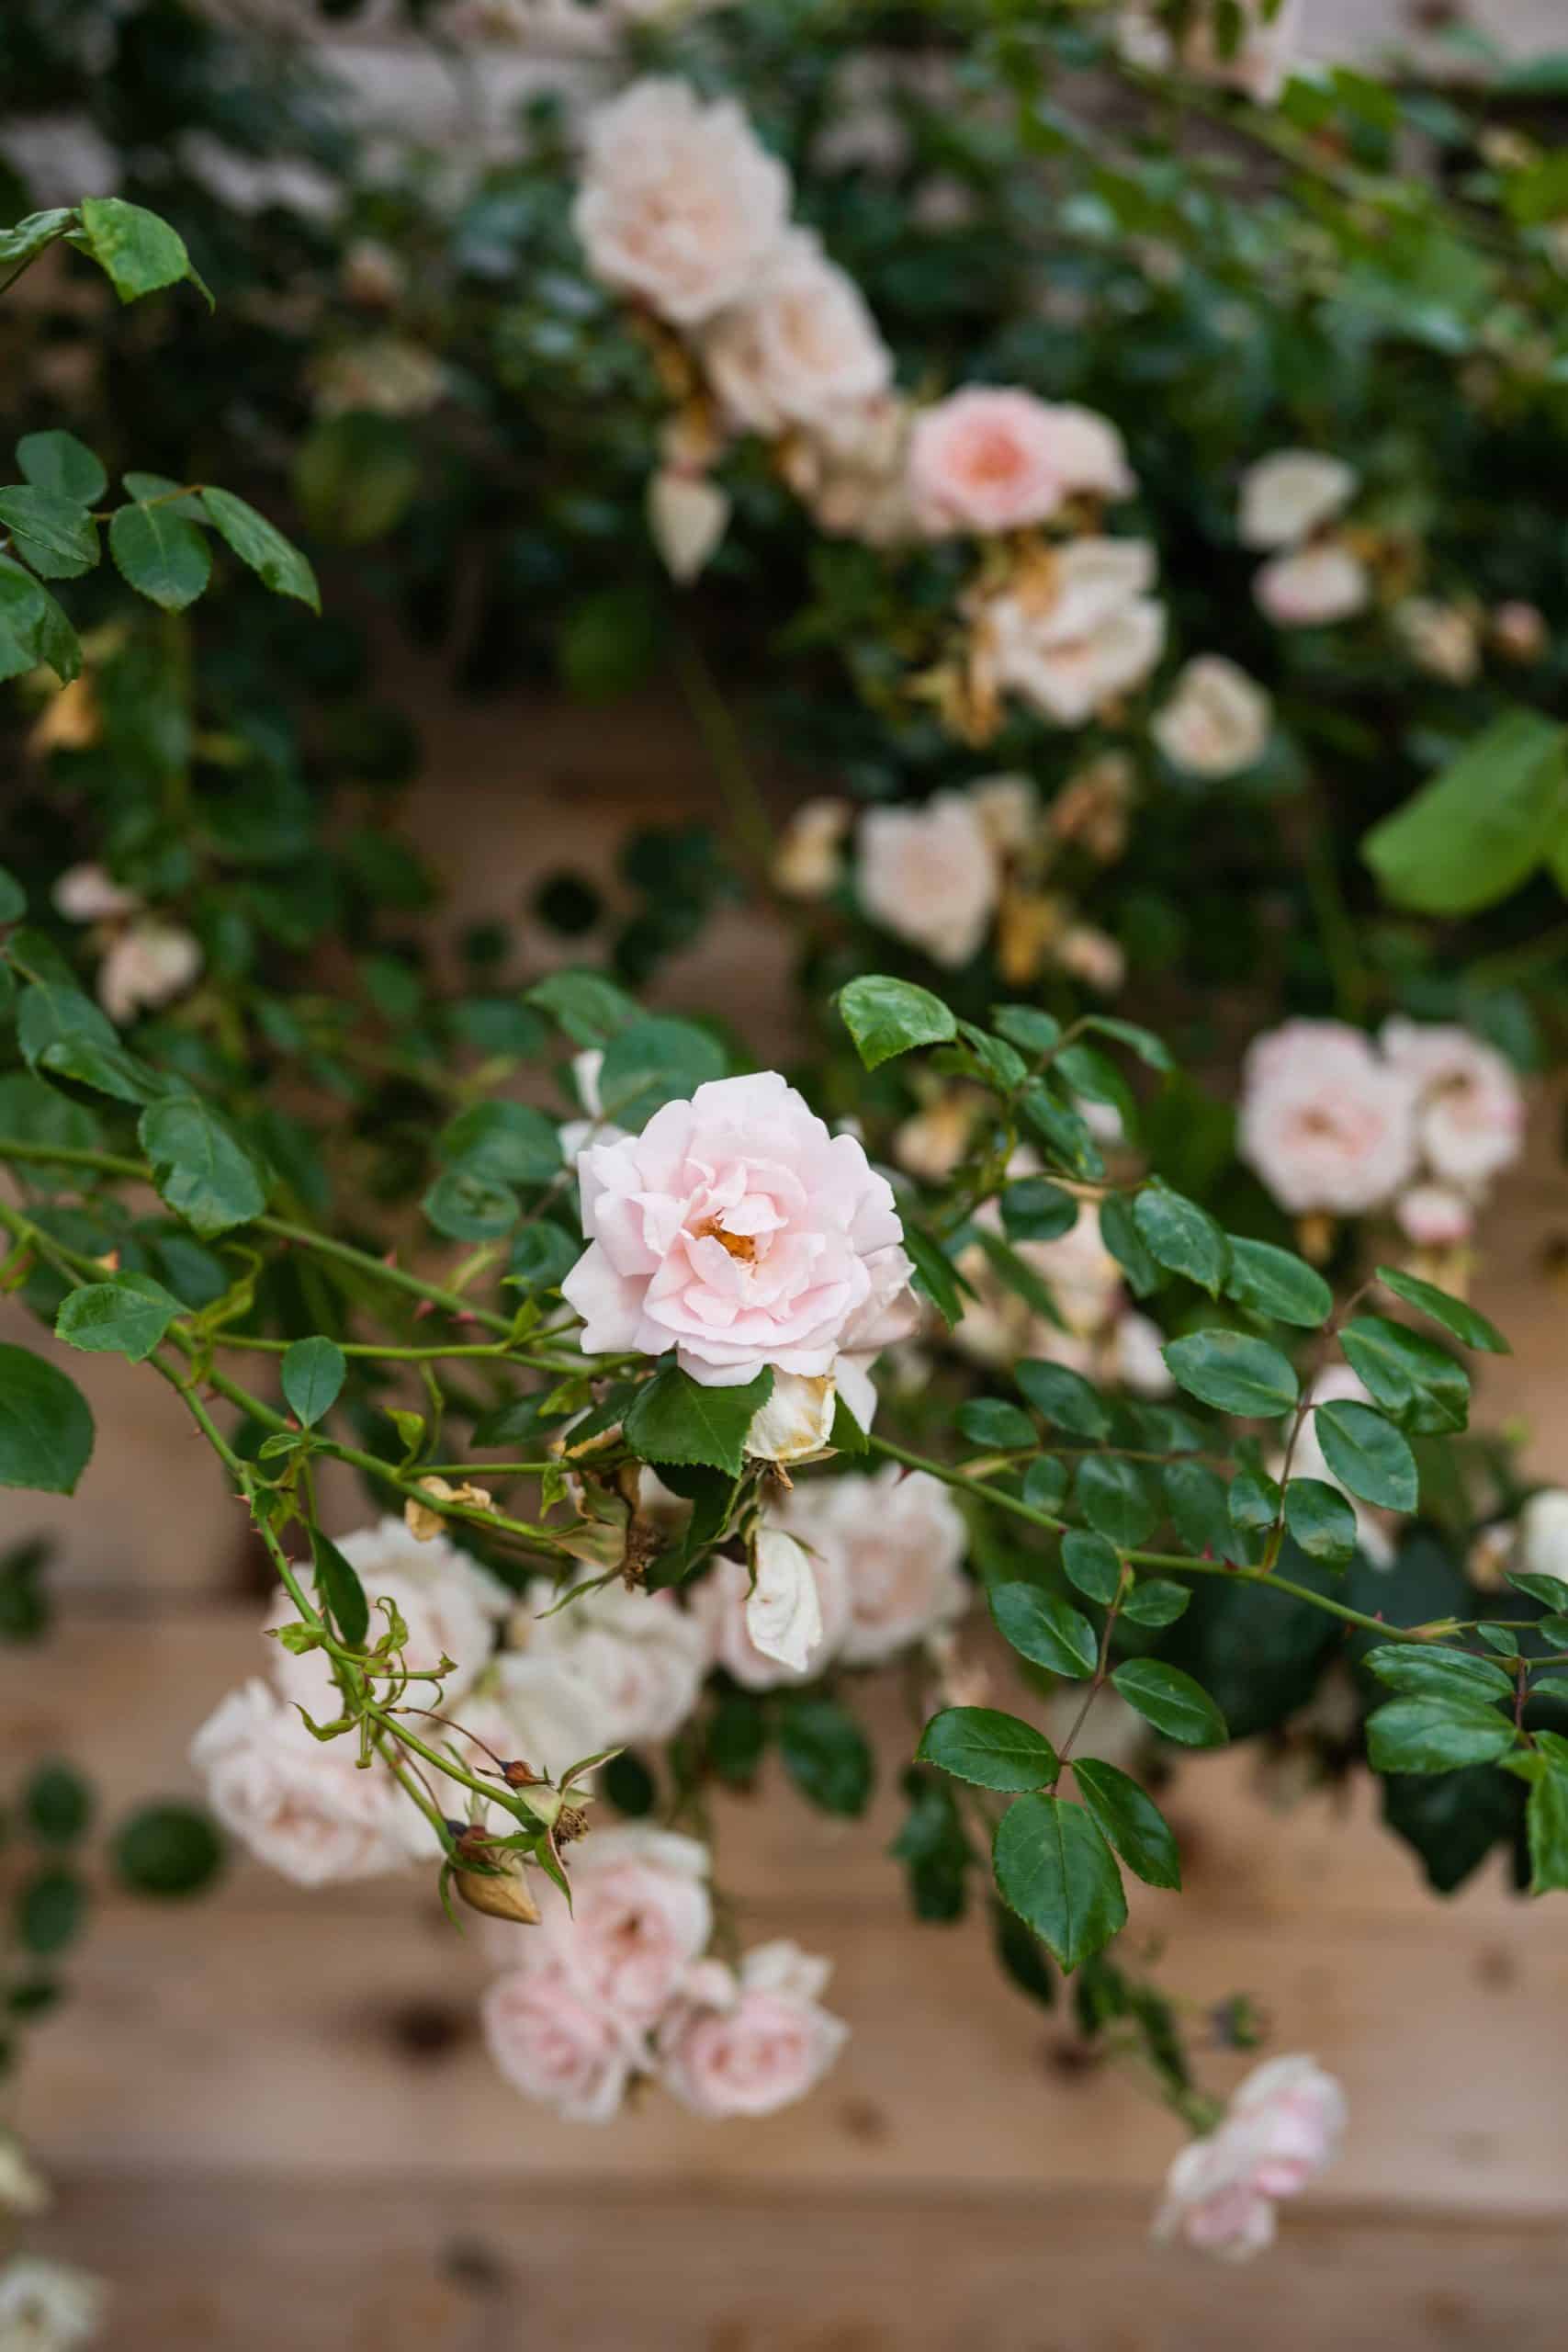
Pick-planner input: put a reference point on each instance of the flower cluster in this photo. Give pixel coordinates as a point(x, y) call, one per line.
point(1419, 1119)
point(621, 1987)
point(1281, 2128)
point(1100, 1334)
point(1290, 504)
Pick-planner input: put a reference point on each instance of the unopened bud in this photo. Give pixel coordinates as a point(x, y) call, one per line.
point(499, 1889)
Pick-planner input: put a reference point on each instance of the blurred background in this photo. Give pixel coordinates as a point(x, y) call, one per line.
point(268, 2115)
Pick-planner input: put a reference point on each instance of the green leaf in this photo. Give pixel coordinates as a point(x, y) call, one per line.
point(1063, 1396)
point(1200, 1507)
point(51, 1012)
point(1253, 1502)
point(1129, 1821)
point(1234, 1373)
point(46, 1429)
point(1002, 1068)
point(1471, 1329)
point(126, 1315)
point(1181, 1236)
point(275, 561)
point(51, 534)
point(202, 1170)
point(1027, 1028)
point(59, 463)
point(338, 1584)
point(509, 1143)
point(1277, 1282)
point(1045, 1629)
point(676, 1418)
point(1171, 1701)
point(1432, 1672)
point(13, 898)
point(1550, 1591)
point(1546, 1824)
point(312, 1374)
point(161, 556)
point(1149, 1048)
point(990, 1423)
point(1015, 1273)
point(1409, 1375)
point(827, 1754)
point(107, 1069)
point(989, 1749)
point(1053, 1868)
point(1320, 1519)
point(846, 1436)
point(28, 237)
point(586, 1005)
point(1156, 1602)
point(1368, 1455)
point(167, 1851)
point(50, 1907)
point(542, 1256)
point(936, 1277)
point(356, 475)
point(468, 1203)
point(56, 1803)
point(654, 1061)
point(1036, 1210)
point(1093, 1566)
point(1045, 1484)
point(1481, 828)
point(1434, 1735)
point(1065, 1134)
point(1021, 1956)
point(886, 1017)
point(1115, 1498)
point(138, 251)
point(172, 496)
point(1119, 1231)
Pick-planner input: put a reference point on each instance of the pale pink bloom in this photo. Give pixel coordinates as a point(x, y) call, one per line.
point(47, 2307)
point(527, 1709)
point(556, 2044)
point(1213, 2201)
point(1441, 638)
point(784, 1615)
point(91, 894)
point(641, 1914)
point(1435, 1216)
point(304, 1806)
point(147, 964)
point(451, 1606)
point(722, 1601)
point(1008, 808)
point(1082, 1276)
point(1287, 496)
point(1542, 1534)
point(930, 1143)
point(896, 1543)
point(1470, 1108)
point(1324, 1122)
point(929, 876)
point(680, 205)
point(1294, 2114)
point(1313, 586)
point(1217, 722)
point(1520, 630)
point(1091, 955)
point(752, 2042)
point(808, 862)
point(1098, 635)
point(802, 349)
point(990, 459)
point(687, 516)
point(634, 1660)
point(736, 1230)
point(852, 474)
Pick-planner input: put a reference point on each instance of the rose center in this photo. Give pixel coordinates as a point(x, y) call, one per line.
point(739, 1245)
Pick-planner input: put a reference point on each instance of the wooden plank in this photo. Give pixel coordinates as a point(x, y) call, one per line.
point(243, 2263)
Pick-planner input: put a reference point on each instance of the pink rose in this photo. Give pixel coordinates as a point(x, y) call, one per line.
point(148, 964)
point(450, 1605)
point(1213, 2200)
point(1324, 1122)
point(1435, 1216)
point(1217, 722)
point(680, 205)
point(750, 2044)
point(930, 876)
point(1293, 2116)
point(894, 1545)
point(640, 1914)
point(632, 1661)
point(554, 2045)
point(990, 459)
point(722, 1600)
point(1287, 496)
point(1095, 632)
point(304, 1806)
point(1313, 587)
point(91, 894)
point(736, 1230)
point(802, 350)
point(1470, 1112)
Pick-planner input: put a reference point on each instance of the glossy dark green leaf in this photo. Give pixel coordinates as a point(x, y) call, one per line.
point(126, 1315)
point(1181, 1236)
point(1234, 1373)
point(1320, 1519)
point(59, 463)
point(1053, 1868)
point(312, 1374)
point(1116, 1499)
point(1455, 1314)
point(1434, 1735)
point(987, 1749)
point(1277, 1282)
point(1428, 1669)
point(202, 1170)
point(1062, 1397)
point(997, 1426)
point(52, 534)
point(886, 1017)
point(656, 1060)
point(1170, 1700)
point(1092, 1565)
point(1408, 1374)
point(1129, 1821)
point(46, 1429)
point(1155, 1602)
point(1045, 1629)
point(1036, 1210)
point(339, 1587)
point(137, 251)
point(508, 1142)
point(276, 561)
point(1199, 1508)
point(1546, 1818)
point(676, 1418)
point(1368, 1455)
point(936, 1277)
point(163, 558)
point(827, 1754)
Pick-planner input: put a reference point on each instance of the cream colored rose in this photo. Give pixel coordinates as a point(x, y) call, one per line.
point(1314, 588)
point(1470, 1108)
point(1443, 640)
point(1217, 722)
point(148, 964)
point(803, 349)
point(687, 516)
point(897, 1543)
point(929, 876)
point(784, 1613)
point(1287, 496)
point(91, 894)
point(634, 1660)
point(302, 1806)
point(1093, 634)
point(680, 205)
point(723, 1601)
point(47, 2307)
point(808, 862)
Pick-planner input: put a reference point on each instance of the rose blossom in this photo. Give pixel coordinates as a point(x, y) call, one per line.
point(302, 1806)
point(752, 2042)
point(991, 459)
point(1325, 1124)
point(929, 876)
point(1441, 638)
point(641, 1914)
point(146, 965)
point(91, 894)
point(1090, 633)
point(1008, 809)
point(803, 349)
point(1213, 2202)
point(634, 1660)
point(1313, 587)
point(784, 1616)
point(1217, 719)
point(529, 1708)
point(1470, 1112)
point(45, 2307)
point(554, 2045)
point(1093, 956)
point(808, 861)
point(681, 205)
point(686, 518)
point(1520, 630)
point(1435, 1216)
point(1287, 496)
point(451, 1606)
point(1542, 1534)
point(1294, 2114)
point(723, 1601)
point(736, 1230)
point(897, 1545)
